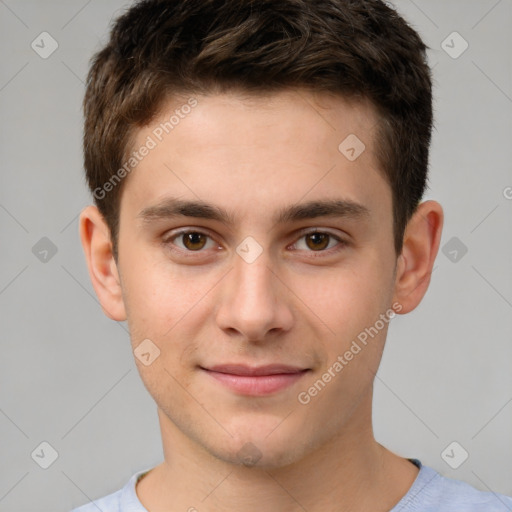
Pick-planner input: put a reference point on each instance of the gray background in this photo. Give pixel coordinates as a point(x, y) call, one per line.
point(68, 376)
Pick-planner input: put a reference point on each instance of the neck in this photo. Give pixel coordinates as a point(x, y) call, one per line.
point(351, 472)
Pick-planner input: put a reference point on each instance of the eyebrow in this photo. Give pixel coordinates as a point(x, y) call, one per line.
point(172, 207)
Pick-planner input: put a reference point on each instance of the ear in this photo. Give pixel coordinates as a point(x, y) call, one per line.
point(95, 237)
point(421, 243)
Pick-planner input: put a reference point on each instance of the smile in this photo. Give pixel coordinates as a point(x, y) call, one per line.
point(258, 381)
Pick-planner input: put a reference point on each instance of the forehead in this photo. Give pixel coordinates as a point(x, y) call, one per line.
point(256, 116)
point(274, 149)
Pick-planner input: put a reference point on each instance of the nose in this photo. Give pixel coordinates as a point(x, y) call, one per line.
point(254, 304)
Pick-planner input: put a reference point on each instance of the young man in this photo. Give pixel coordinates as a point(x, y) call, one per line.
point(257, 168)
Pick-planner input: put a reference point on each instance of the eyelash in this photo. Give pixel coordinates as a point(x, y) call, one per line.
point(168, 241)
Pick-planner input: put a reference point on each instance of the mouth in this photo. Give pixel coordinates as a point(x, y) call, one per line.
point(255, 381)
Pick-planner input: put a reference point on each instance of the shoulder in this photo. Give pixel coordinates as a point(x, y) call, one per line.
point(432, 492)
point(123, 500)
point(112, 503)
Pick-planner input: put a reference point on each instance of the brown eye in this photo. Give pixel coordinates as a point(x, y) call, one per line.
point(317, 241)
point(194, 241)
point(321, 242)
point(189, 241)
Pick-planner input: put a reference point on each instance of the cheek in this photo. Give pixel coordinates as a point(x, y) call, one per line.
point(346, 299)
point(159, 294)
point(350, 305)
point(161, 308)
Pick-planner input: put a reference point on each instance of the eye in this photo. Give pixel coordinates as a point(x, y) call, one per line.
point(319, 241)
point(192, 241)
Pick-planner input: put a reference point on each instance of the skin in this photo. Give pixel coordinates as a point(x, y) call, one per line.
point(296, 304)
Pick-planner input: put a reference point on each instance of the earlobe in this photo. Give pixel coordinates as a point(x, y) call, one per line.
point(97, 246)
point(421, 244)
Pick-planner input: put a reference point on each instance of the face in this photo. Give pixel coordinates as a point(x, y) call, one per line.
point(255, 253)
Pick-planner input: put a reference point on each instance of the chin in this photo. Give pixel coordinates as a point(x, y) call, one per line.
point(258, 449)
point(250, 455)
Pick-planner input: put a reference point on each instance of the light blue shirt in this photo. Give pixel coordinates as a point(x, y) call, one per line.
point(430, 492)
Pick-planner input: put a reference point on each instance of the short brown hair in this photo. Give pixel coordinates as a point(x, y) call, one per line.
point(352, 48)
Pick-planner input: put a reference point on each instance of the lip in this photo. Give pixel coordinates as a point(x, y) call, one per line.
point(256, 381)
